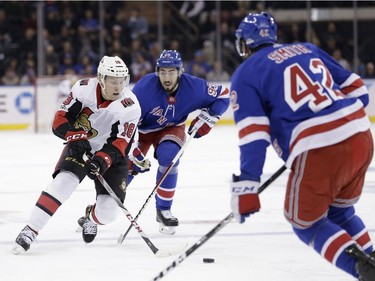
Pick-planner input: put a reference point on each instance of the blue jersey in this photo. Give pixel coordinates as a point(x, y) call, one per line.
point(159, 109)
point(296, 97)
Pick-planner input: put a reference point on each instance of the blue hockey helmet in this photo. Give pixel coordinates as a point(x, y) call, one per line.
point(169, 58)
point(255, 30)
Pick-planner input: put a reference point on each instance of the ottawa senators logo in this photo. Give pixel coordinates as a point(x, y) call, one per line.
point(84, 123)
point(123, 185)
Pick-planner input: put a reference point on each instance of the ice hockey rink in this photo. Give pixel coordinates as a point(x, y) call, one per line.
point(263, 248)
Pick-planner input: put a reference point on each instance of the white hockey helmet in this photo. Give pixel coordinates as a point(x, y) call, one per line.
point(114, 67)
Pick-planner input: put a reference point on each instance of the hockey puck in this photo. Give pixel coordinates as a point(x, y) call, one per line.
point(208, 260)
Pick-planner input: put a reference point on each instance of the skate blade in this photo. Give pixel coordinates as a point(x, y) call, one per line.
point(168, 230)
point(17, 249)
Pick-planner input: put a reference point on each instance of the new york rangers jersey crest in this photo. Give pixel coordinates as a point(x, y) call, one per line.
point(160, 109)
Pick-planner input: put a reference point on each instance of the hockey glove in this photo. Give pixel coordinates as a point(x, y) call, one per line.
point(77, 142)
point(98, 164)
point(245, 198)
point(203, 123)
point(138, 163)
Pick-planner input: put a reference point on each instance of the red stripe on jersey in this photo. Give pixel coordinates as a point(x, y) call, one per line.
point(225, 92)
point(364, 239)
point(59, 119)
point(321, 128)
point(335, 246)
point(252, 129)
point(121, 145)
point(352, 87)
point(48, 203)
point(165, 193)
point(87, 111)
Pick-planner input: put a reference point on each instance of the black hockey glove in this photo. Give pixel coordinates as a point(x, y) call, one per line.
point(77, 142)
point(98, 165)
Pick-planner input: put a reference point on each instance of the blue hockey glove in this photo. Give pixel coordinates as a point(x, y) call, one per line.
point(138, 163)
point(245, 198)
point(203, 123)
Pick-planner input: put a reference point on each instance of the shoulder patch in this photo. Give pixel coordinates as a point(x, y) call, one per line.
point(127, 102)
point(83, 82)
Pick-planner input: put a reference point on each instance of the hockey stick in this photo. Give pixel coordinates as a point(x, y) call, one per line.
point(213, 231)
point(158, 252)
point(160, 181)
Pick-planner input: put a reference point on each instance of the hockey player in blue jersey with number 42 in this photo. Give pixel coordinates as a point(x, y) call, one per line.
point(166, 100)
point(300, 100)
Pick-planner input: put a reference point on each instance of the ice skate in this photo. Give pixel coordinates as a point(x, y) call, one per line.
point(365, 263)
point(167, 222)
point(24, 240)
point(89, 228)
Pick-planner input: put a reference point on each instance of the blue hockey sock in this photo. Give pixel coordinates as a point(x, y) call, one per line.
point(165, 153)
point(354, 226)
point(330, 241)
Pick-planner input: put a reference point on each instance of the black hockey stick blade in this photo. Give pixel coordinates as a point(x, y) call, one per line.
point(212, 232)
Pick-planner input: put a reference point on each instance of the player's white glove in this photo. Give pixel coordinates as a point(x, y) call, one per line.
point(138, 163)
point(245, 198)
point(203, 123)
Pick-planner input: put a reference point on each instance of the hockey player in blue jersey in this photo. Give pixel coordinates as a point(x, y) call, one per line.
point(166, 100)
point(300, 100)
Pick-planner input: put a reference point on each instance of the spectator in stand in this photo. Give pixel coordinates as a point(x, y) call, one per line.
point(29, 73)
point(208, 26)
point(51, 55)
point(118, 34)
point(67, 65)
point(199, 65)
point(296, 34)
point(53, 22)
point(208, 51)
point(118, 49)
point(369, 70)
point(337, 55)
point(30, 41)
point(331, 39)
point(230, 58)
point(6, 49)
point(137, 47)
point(174, 44)
point(138, 25)
point(217, 74)
point(154, 53)
point(89, 22)
point(86, 43)
point(139, 67)
point(85, 65)
point(238, 15)
point(10, 77)
point(69, 20)
point(50, 69)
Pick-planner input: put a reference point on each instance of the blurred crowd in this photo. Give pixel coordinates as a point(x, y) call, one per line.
point(71, 38)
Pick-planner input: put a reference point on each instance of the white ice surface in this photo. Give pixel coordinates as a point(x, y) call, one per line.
point(264, 248)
